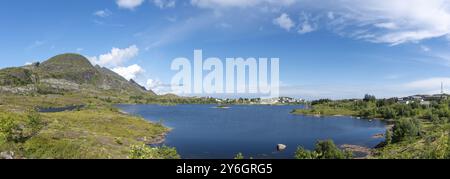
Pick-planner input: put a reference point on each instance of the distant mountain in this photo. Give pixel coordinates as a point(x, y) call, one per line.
point(66, 73)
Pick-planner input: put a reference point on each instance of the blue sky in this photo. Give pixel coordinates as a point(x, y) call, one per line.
point(327, 49)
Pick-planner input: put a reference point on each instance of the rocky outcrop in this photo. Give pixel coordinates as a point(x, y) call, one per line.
point(60, 84)
point(6, 155)
point(281, 147)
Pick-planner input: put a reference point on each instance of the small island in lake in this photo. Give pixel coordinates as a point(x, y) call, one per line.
point(222, 107)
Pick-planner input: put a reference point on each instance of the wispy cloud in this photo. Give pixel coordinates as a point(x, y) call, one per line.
point(392, 22)
point(36, 44)
point(427, 86)
point(214, 4)
point(306, 26)
point(163, 4)
point(425, 48)
point(284, 21)
point(103, 13)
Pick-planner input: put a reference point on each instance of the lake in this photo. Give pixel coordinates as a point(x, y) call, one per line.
point(205, 132)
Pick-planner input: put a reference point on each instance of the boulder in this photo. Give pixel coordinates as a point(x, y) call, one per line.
point(281, 147)
point(6, 155)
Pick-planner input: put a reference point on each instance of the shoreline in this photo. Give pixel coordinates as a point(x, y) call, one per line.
point(358, 149)
point(158, 139)
point(339, 115)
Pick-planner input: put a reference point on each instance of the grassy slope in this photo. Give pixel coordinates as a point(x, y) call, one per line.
point(15, 77)
point(97, 131)
point(325, 111)
point(433, 144)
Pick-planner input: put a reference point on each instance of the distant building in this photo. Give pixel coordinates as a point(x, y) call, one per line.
point(422, 99)
point(269, 101)
point(404, 101)
point(425, 103)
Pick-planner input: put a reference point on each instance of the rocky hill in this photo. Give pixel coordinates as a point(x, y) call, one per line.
point(66, 73)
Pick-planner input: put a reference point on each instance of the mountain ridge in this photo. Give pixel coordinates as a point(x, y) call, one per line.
point(63, 73)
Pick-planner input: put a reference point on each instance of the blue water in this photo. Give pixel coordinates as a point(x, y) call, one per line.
point(204, 132)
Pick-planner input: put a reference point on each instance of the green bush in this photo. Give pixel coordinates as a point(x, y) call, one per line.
point(239, 156)
point(146, 152)
point(302, 153)
point(8, 128)
point(388, 136)
point(34, 121)
point(405, 129)
point(168, 153)
point(323, 150)
point(328, 150)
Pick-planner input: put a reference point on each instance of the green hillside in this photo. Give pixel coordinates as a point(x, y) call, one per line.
point(66, 73)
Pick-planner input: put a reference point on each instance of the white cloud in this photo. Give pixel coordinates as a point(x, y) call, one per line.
point(162, 4)
point(129, 4)
point(387, 25)
point(284, 21)
point(103, 13)
point(116, 57)
point(330, 15)
point(129, 72)
point(425, 48)
point(214, 4)
point(28, 63)
point(397, 21)
point(392, 22)
point(306, 26)
point(427, 86)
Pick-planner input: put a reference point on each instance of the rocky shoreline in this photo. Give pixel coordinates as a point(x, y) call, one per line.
point(155, 141)
point(357, 149)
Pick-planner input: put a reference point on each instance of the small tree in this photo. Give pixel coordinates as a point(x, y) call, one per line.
point(239, 156)
point(388, 137)
point(302, 153)
point(165, 152)
point(328, 150)
point(405, 128)
point(34, 121)
point(8, 129)
point(370, 98)
point(145, 152)
point(323, 150)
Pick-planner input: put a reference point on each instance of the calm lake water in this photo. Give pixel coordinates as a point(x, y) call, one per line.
point(204, 132)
